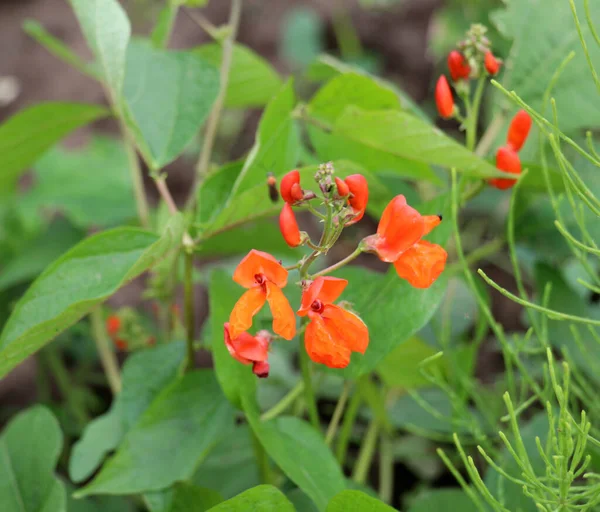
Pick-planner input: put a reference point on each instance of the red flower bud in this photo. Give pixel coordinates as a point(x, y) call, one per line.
point(342, 187)
point(289, 226)
point(518, 130)
point(443, 98)
point(507, 160)
point(492, 64)
point(121, 344)
point(457, 65)
point(290, 187)
point(113, 324)
point(359, 188)
point(260, 369)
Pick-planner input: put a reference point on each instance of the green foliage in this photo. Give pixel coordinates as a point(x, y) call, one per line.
point(263, 497)
point(183, 497)
point(440, 500)
point(356, 501)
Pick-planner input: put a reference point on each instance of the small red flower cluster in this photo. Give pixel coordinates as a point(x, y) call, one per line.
point(113, 326)
point(507, 158)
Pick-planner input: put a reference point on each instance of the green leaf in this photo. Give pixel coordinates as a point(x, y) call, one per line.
point(537, 52)
point(252, 79)
point(168, 95)
point(145, 374)
point(357, 501)
point(183, 497)
point(28, 134)
point(277, 145)
point(265, 498)
point(106, 28)
point(300, 452)
point(215, 190)
point(31, 445)
point(404, 135)
point(92, 186)
point(82, 278)
point(160, 449)
point(190, 3)
point(441, 500)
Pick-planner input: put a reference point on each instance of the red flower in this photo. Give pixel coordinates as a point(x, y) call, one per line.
point(518, 130)
point(289, 226)
point(342, 187)
point(358, 187)
point(290, 189)
point(491, 63)
point(333, 333)
point(113, 324)
point(507, 160)
point(457, 65)
point(443, 98)
point(398, 241)
point(264, 277)
point(248, 349)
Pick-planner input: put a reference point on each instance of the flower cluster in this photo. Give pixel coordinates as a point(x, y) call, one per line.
point(331, 332)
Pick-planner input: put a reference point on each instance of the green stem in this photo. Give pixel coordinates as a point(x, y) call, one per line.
point(337, 414)
point(347, 425)
point(367, 451)
point(284, 403)
point(262, 460)
point(386, 469)
point(473, 115)
point(199, 19)
point(189, 307)
point(490, 134)
point(340, 263)
point(309, 395)
point(491, 247)
point(105, 351)
point(164, 192)
point(135, 170)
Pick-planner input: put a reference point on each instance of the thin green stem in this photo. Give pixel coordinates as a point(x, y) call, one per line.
point(347, 426)
point(340, 263)
point(283, 404)
point(137, 180)
point(337, 414)
point(189, 307)
point(386, 469)
point(309, 394)
point(164, 26)
point(199, 19)
point(262, 460)
point(164, 192)
point(105, 351)
point(490, 134)
point(473, 116)
point(367, 451)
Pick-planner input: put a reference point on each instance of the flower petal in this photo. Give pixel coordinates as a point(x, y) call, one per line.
point(322, 347)
point(231, 348)
point(284, 321)
point(258, 262)
point(245, 308)
point(422, 264)
point(326, 289)
point(347, 327)
point(430, 222)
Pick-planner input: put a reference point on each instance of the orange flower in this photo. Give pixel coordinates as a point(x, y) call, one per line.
point(333, 333)
point(357, 186)
point(248, 349)
point(398, 241)
point(264, 277)
point(289, 226)
point(518, 130)
point(291, 191)
point(507, 160)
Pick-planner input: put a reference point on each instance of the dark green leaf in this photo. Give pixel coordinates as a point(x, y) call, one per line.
point(215, 190)
point(442, 500)
point(29, 133)
point(252, 80)
point(168, 95)
point(82, 278)
point(183, 497)
point(31, 445)
point(171, 437)
point(300, 501)
point(265, 498)
point(357, 501)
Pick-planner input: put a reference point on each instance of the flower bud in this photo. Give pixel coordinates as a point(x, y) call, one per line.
point(342, 187)
point(518, 130)
point(289, 226)
point(491, 63)
point(507, 160)
point(457, 65)
point(359, 188)
point(443, 98)
point(113, 324)
point(290, 187)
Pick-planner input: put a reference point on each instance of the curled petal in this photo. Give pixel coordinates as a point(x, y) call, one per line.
point(430, 222)
point(284, 321)
point(359, 188)
point(246, 348)
point(287, 182)
point(347, 327)
point(261, 369)
point(326, 289)
point(245, 308)
point(258, 262)
point(322, 347)
point(422, 264)
point(289, 226)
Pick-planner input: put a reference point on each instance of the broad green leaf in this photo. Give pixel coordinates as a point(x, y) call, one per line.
point(30, 447)
point(183, 497)
point(79, 280)
point(235, 378)
point(98, 503)
point(160, 449)
point(145, 374)
point(106, 28)
point(168, 95)
point(442, 500)
point(28, 134)
point(404, 135)
point(277, 145)
point(357, 501)
point(538, 50)
point(214, 192)
point(265, 498)
point(252, 79)
point(91, 186)
point(39, 252)
point(300, 501)
point(301, 453)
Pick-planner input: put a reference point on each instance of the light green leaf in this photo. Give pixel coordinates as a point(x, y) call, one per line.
point(265, 498)
point(82, 278)
point(404, 135)
point(160, 449)
point(215, 190)
point(28, 134)
point(190, 3)
point(300, 452)
point(277, 145)
point(442, 500)
point(168, 95)
point(106, 28)
point(252, 79)
point(30, 447)
point(357, 501)
point(183, 497)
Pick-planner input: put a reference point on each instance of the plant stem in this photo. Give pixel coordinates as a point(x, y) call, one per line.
point(309, 394)
point(189, 306)
point(386, 469)
point(367, 451)
point(340, 263)
point(490, 134)
point(473, 115)
point(487, 249)
point(199, 19)
point(347, 425)
point(337, 414)
point(136, 178)
point(284, 403)
point(262, 460)
point(165, 194)
point(105, 351)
